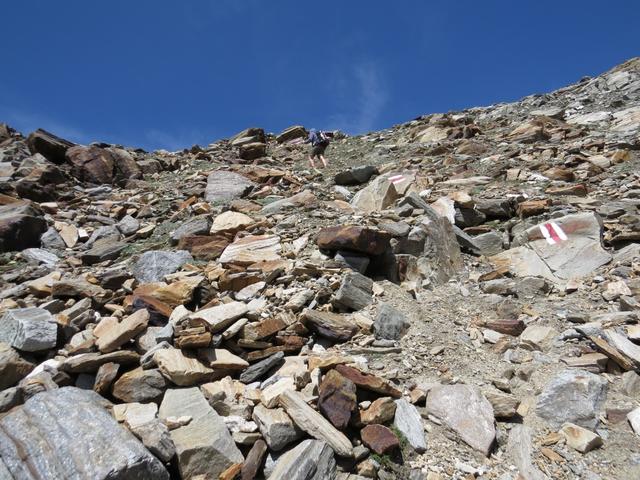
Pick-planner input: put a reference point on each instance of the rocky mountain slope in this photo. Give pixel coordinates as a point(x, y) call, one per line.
point(454, 297)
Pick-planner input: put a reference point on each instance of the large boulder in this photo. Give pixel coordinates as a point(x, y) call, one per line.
point(223, 187)
point(21, 225)
point(574, 396)
point(48, 145)
point(204, 446)
point(559, 250)
point(67, 433)
point(91, 164)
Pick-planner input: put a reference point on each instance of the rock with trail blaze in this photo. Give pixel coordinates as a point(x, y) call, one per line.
point(333, 326)
point(252, 249)
point(204, 446)
point(223, 187)
point(68, 433)
point(337, 399)
point(369, 382)
point(310, 460)
point(21, 225)
point(573, 249)
point(380, 439)
point(574, 396)
point(29, 329)
point(48, 145)
point(307, 419)
point(465, 410)
point(354, 238)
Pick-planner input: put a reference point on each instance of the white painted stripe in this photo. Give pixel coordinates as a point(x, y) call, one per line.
point(396, 177)
point(545, 234)
point(559, 231)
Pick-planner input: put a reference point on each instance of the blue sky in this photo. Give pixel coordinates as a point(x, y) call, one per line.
point(169, 74)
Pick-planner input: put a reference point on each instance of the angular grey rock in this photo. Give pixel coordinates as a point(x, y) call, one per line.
point(356, 261)
point(408, 421)
point(257, 370)
point(29, 329)
point(276, 427)
point(101, 233)
point(520, 450)
point(51, 239)
point(390, 323)
point(355, 292)
point(199, 225)
point(574, 396)
point(156, 437)
point(39, 256)
point(67, 433)
point(140, 385)
point(128, 225)
point(152, 266)
point(355, 176)
point(204, 446)
point(103, 250)
point(21, 226)
point(222, 187)
point(311, 460)
point(10, 398)
point(465, 410)
point(489, 243)
point(435, 243)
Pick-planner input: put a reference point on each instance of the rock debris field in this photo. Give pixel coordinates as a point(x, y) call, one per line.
point(456, 297)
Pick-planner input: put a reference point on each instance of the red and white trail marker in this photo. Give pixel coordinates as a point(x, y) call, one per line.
point(396, 179)
point(553, 233)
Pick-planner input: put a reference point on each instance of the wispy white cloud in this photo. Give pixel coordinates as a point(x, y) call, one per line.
point(27, 121)
point(366, 85)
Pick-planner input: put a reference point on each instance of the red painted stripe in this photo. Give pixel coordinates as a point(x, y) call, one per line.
point(552, 232)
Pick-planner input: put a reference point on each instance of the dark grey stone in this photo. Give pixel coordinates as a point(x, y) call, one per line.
point(355, 292)
point(68, 433)
point(390, 323)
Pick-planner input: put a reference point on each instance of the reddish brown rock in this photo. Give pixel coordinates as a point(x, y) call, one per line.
point(357, 239)
point(204, 247)
point(367, 381)
point(253, 462)
point(107, 373)
point(506, 326)
point(379, 439)
point(533, 207)
point(91, 164)
point(48, 145)
point(330, 325)
point(578, 190)
point(21, 225)
point(559, 173)
point(337, 399)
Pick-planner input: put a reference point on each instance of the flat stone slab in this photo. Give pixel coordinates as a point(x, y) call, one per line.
point(465, 410)
point(222, 187)
point(29, 329)
point(311, 460)
point(68, 433)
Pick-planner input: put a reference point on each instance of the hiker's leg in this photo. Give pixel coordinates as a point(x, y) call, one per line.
point(323, 160)
point(313, 165)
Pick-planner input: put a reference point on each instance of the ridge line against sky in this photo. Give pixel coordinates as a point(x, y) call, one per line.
point(157, 74)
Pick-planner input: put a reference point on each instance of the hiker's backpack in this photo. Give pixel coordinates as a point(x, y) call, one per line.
point(321, 138)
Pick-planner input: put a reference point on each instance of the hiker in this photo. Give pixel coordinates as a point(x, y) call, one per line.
point(319, 141)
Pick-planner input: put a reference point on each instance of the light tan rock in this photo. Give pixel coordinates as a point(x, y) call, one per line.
point(307, 419)
point(116, 336)
point(538, 337)
point(580, 438)
point(270, 394)
point(221, 316)
point(180, 369)
point(230, 222)
point(221, 359)
point(252, 249)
